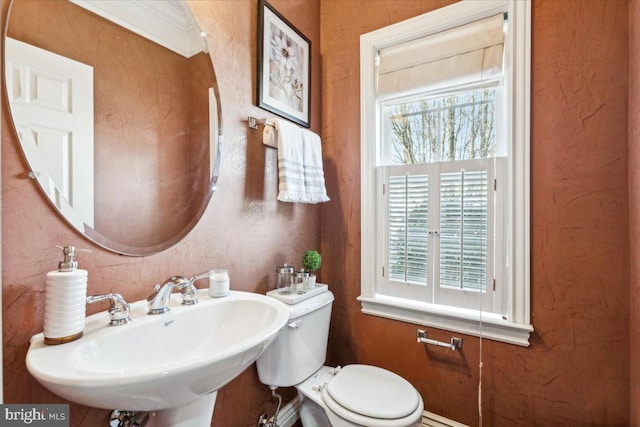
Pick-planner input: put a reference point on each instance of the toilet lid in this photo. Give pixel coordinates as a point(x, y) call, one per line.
point(373, 392)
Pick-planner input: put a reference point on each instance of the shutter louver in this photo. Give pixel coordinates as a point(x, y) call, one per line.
point(463, 230)
point(408, 228)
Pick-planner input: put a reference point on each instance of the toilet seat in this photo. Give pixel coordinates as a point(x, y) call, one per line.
point(372, 396)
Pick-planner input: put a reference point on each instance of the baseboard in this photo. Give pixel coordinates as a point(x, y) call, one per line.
point(429, 419)
point(289, 415)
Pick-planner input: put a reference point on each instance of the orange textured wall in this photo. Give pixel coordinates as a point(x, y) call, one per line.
point(244, 228)
point(634, 207)
point(576, 371)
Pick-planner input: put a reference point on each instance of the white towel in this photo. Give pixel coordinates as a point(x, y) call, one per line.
point(313, 171)
point(290, 162)
point(300, 171)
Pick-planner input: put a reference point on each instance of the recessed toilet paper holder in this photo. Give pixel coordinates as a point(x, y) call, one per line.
point(423, 337)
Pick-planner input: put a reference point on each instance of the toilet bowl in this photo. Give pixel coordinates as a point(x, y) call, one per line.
point(352, 396)
point(358, 395)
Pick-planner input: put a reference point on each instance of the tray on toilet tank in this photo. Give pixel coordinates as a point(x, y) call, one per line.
point(298, 297)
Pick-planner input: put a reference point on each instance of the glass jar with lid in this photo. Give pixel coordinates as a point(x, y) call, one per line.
point(285, 279)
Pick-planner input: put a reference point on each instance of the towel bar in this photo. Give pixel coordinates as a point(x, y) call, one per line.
point(253, 123)
point(423, 337)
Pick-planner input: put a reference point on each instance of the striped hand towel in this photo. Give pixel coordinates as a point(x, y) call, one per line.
point(300, 171)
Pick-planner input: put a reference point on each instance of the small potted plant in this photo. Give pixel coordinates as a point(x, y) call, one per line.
point(311, 261)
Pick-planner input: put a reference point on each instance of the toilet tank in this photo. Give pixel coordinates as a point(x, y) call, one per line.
point(301, 348)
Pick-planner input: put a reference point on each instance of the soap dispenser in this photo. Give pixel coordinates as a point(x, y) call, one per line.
point(65, 300)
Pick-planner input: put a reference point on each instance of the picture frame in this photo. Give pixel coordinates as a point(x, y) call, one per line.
point(284, 67)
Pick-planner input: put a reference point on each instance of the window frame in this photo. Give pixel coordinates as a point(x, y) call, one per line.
point(514, 326)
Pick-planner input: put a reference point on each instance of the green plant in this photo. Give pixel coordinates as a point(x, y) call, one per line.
point(311, 260)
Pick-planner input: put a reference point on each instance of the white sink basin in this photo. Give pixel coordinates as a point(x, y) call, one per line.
point(163, 361)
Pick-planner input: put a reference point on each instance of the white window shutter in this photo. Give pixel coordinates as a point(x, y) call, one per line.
point(463, 230)
point(408, 255)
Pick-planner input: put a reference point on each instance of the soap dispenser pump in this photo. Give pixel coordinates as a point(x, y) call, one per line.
point(65, 300)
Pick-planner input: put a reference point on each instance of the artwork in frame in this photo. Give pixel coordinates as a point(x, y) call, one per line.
point(284, 67)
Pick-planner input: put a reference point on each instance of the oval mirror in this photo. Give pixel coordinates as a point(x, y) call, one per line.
point(116, 109)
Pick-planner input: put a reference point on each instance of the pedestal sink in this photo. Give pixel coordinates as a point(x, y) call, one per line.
point(171, 364)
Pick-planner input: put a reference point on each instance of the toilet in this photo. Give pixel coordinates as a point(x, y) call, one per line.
point(351, 396)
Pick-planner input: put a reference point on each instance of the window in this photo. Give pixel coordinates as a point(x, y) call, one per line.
point(445, 210)
point(437, 198)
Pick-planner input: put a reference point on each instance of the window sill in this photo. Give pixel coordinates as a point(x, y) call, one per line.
point(492, 326)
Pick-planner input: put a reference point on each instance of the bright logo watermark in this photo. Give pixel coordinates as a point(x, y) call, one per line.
point(12, 415)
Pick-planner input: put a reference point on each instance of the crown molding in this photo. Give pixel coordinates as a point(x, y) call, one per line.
point(169, 23)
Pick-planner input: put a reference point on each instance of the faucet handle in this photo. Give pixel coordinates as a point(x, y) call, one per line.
point(205, 275)
point(119, 311)
point(187, 289)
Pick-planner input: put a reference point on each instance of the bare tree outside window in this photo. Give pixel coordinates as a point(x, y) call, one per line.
point(457, 126)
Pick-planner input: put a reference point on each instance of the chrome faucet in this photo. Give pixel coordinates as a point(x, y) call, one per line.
point(119, 311)
point(158, 301)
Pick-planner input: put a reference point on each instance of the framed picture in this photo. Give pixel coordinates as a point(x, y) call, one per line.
point(284, 67)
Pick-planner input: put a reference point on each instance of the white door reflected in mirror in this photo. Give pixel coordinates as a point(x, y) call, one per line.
point(51, 98)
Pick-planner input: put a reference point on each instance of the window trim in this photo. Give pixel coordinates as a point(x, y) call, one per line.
point(517, 327)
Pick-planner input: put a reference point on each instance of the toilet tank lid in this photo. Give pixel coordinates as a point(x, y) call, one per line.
point(312, 304)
